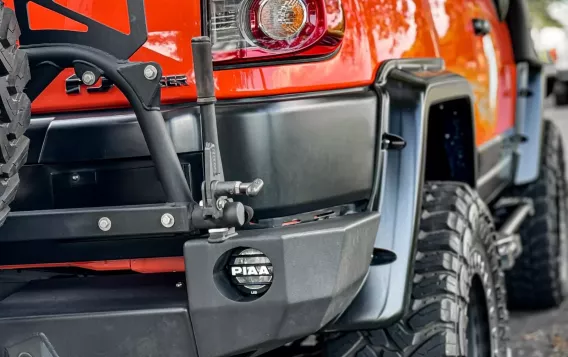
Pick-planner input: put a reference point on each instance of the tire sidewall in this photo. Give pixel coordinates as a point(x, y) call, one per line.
point(562, 236)
point(479, 264)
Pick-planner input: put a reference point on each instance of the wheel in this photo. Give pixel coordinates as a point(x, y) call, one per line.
point(539, 277)
point(15, 109)
point(458, 299)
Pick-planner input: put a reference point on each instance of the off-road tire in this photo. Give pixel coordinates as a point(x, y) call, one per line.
point(15, 108)
point(538, 279)
point(455, 257)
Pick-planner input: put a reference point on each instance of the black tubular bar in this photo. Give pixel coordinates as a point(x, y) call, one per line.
point(203, 67)
point(150, 119)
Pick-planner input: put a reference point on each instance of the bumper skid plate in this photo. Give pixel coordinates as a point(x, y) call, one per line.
point(318, 268)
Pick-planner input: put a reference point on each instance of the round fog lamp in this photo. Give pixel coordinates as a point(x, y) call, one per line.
point(250, 271)
point(282, 19)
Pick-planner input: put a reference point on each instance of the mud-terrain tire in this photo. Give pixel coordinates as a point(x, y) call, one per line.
point(15, 108)
point(539, 277)
point(458, 299)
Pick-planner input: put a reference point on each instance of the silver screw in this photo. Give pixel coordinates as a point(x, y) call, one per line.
point(104, 224)
point(88, 78)
point(221, 202)
point(150, 72)
point(179, 284)
point(167, 220)
point(75, 177)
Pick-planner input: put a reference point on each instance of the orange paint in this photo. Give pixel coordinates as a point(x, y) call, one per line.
point(465, 54)
point(375, 31)
point(51, 20)
point(147, 266)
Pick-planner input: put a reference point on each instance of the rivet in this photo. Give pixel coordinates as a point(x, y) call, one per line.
point(105, 224)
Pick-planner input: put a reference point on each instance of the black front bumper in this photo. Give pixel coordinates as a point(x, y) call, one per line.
point(318, 269)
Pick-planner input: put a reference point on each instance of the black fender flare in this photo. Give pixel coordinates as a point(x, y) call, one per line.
point(407, 89)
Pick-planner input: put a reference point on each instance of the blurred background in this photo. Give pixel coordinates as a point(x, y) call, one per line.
point(545, 333)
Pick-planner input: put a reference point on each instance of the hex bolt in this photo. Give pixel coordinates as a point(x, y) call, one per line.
point(167, 220)
point(150, 72)
point(88, 78)
point(104, 224)
point(221, 202)
point(75, 177)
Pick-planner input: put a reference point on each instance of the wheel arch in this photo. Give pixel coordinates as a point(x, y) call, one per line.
point(408, 91)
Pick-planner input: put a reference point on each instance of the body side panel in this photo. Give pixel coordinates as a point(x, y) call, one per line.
point(485, 61)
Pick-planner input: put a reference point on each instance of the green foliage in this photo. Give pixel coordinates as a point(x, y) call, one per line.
point(540, 16)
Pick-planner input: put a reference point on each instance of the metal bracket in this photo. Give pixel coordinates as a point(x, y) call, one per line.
point(508, 243)
point(217, 206)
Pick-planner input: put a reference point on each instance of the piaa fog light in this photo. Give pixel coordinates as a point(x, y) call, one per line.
point(250, 271)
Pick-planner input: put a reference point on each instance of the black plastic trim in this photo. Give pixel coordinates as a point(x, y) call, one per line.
point(318, 269)
point(528, 121)
point(490, 153)
point(502, 8)
point(496, 165)
point(518, 21)
point(407, 88)
point(106, 135)
point(303, 135)
point(132, 315)
point(492, 183)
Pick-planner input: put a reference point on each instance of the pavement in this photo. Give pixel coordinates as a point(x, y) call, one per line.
point(543, 333)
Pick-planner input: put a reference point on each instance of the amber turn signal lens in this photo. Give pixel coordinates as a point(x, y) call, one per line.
point(282, 19)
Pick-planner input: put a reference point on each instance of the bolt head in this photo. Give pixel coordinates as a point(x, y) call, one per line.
point(150, 72)
point(105, 224)
point(221, 202)
point(167, 220)
point(88, 78)
point(75, 177)
point(179, 284)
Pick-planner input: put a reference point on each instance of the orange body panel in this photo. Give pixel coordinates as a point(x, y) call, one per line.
point(376, 30)
point(147, 266)
point(487, 62)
